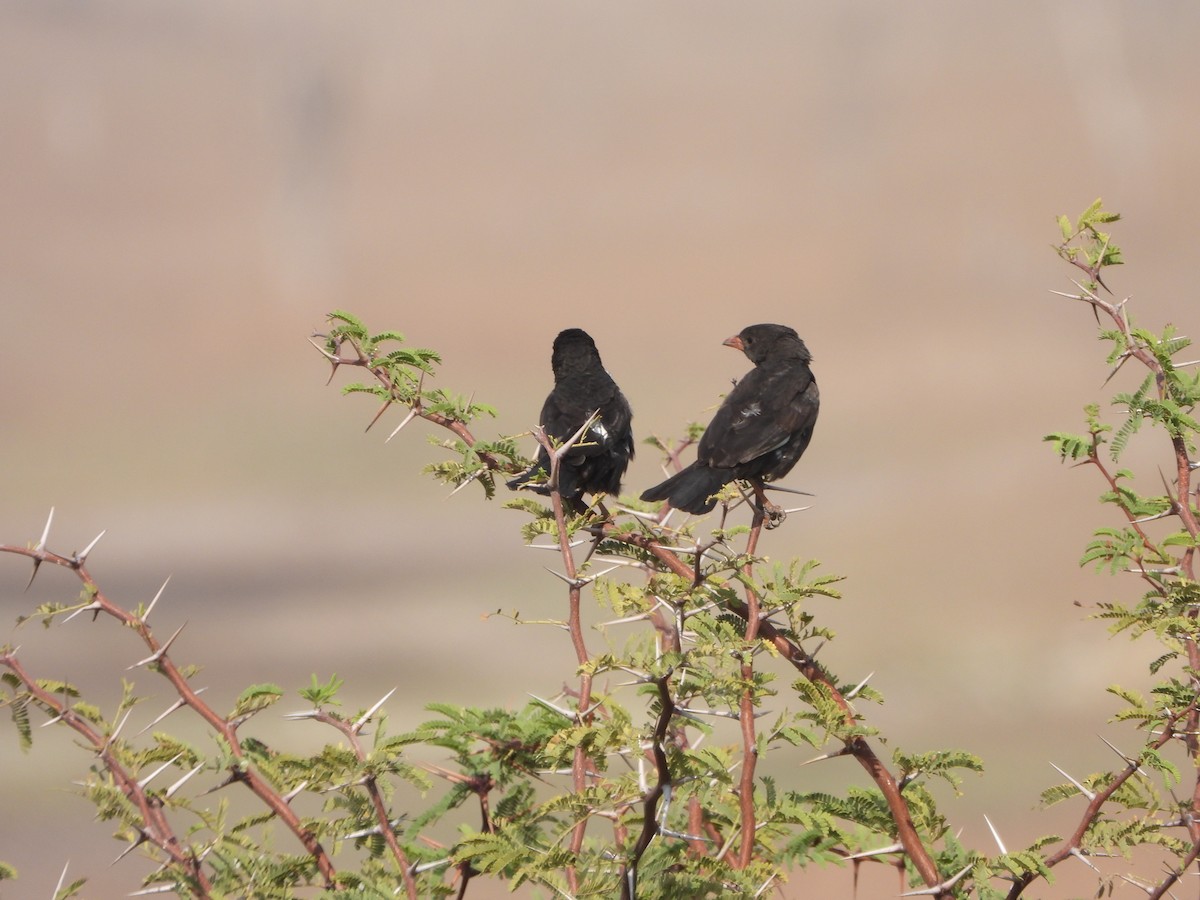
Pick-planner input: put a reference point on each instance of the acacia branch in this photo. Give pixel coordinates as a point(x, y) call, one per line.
point(856, 746)
point(580, 764)
point(351, 731)
point(746, 708)
point(155, 829)
point(662, 783)
point(161, 662)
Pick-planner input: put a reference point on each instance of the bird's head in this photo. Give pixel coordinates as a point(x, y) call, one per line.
point(760, 341)
point(574, 349)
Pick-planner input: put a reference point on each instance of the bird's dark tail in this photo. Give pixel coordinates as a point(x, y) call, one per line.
point(691, 490)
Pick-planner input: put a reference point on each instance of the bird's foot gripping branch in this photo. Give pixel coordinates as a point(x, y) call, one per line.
point(641, 777)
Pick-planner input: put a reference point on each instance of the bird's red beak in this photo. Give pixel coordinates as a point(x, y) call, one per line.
point(735, 342)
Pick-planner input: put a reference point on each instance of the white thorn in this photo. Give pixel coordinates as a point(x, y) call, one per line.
point(146, 614)
point(145, 781)
point(160, 652)
point(555, 547)
point(882, 851)
point(436, 864)
point(940, 888)
point(141, 839)
point(1089, 794)
point(41, 545)
point(294, 792)
point(365, 717)
point(411, 413)
point(82, 609)
point(474, 475)
point(82, 555)
point(573, 582)
point(858, 687)
point(120, 725)
point(996, 835)
point(182, 781)
point(566, 713)
point(594, 575)
point(170, 709)
point(63, 876)
point(831, 755)
point(638, 618)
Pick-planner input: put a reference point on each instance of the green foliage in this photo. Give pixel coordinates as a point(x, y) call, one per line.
point(639, 779)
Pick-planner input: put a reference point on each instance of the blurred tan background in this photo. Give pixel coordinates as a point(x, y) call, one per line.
point(188, 187)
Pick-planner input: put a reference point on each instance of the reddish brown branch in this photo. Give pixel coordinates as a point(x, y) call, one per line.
point(351, 730)
point(156, 829)
point(858, 747)
point(906, 831)
point(228, 730)
point(746, 708)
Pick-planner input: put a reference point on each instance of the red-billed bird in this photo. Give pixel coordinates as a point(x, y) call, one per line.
point(759, 431)
point(597, 462)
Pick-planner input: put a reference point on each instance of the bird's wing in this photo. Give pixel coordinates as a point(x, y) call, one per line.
point(567, 407)
point(761, 414)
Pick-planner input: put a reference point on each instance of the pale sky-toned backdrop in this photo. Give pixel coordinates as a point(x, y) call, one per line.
point(188, 187)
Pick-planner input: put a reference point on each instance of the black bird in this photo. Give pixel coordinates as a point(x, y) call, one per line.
point(759, 431)
point(598, 461)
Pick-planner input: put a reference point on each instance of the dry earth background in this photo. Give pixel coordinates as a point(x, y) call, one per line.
point(188, 187)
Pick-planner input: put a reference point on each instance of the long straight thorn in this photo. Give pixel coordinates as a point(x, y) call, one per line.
point(853, 692)
point(411, 415)
point(324, 352)
point(555, 547)
point(1075, 852)
point(61, 878)
point(565, 713)
point(146, 614)
point(787, 490)
point(120, 726)
point(160, 652)
point(170, 709)
point(882, 851)
point(573, 582)
point(170, 762)
point(470, 478)
point(382, 410)
point(366, 717)
point(592, 576)
point(1091, 795)
point(141, 839)
point(82, 555)
point(1128, 759)
point(93, 606)
point(182, 781)
point(627, 619)
point(941, 888)
point(41, 545)
point(295, 792)
point(996, 835)
point(832, 755)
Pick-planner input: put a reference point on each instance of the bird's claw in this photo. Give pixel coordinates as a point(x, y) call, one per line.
point(774, 515)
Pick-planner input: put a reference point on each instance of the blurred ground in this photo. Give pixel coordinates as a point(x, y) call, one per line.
point(189, 187)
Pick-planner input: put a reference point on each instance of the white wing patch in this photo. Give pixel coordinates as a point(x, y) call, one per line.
point(749, 412)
